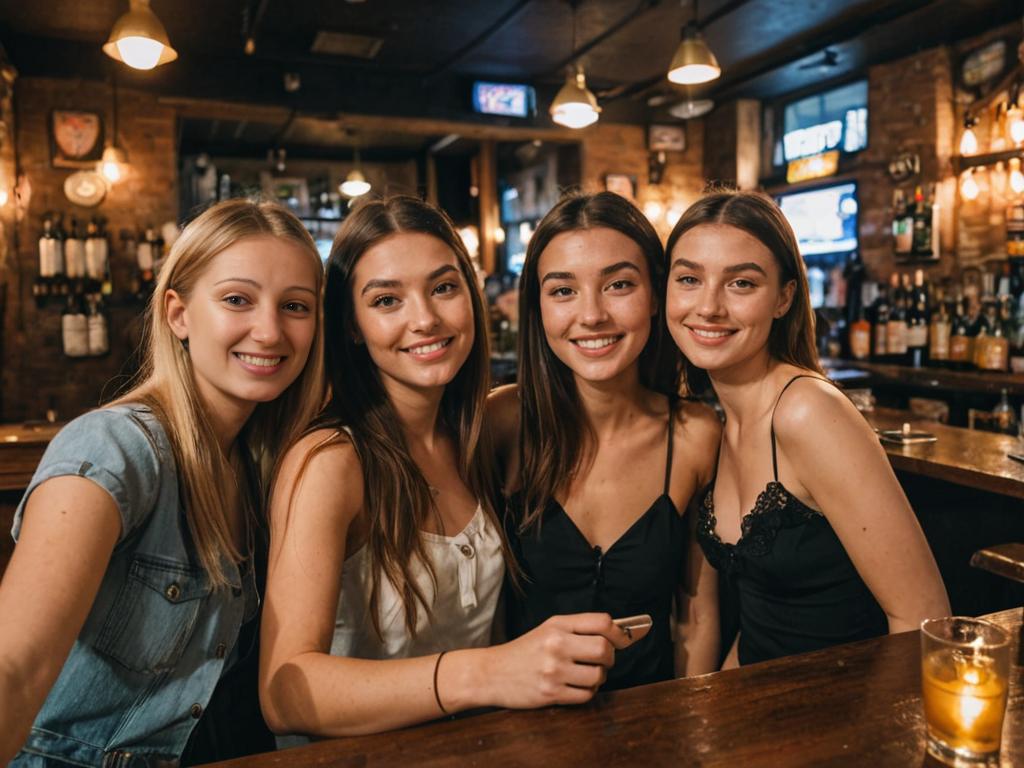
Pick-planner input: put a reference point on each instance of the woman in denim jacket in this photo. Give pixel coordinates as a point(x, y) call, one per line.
point(128, 604)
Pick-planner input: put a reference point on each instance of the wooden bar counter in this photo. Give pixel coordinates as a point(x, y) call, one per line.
point(966, 457)
point(853, 705)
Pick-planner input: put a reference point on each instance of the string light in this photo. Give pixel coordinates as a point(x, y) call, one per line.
point(968, 186)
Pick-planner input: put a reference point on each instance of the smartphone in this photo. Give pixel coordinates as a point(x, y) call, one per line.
point(631, 624)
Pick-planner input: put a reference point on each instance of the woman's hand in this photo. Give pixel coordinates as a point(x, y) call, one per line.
point(563, 661)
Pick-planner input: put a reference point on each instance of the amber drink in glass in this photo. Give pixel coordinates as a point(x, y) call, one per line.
point(965, 666)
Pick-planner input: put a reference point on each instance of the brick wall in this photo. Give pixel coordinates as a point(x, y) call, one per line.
point(34, 370)
point(614, 148)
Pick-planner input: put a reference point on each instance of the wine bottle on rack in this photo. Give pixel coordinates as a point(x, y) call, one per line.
point(97, 257)
point(98, 327)
point(74, 327)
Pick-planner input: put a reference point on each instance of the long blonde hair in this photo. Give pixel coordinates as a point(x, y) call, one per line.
point(166, 384)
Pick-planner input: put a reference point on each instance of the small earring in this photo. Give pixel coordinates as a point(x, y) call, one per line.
point(184, 344)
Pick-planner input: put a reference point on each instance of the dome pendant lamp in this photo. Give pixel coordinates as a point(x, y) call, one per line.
point(139, 39)
point(693, 63)
point(575, 106)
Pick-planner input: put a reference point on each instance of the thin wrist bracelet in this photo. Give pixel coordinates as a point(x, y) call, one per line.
point(437, 695)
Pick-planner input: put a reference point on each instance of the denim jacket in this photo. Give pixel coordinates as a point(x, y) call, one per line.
point(158, 637)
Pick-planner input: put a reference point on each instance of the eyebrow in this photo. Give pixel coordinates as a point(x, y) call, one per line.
point(609, 270)
point(744, 267)
point(373, 284)
point(255, 284)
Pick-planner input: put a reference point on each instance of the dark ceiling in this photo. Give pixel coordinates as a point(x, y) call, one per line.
point(425, 54)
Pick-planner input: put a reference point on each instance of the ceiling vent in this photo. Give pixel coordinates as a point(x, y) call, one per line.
point(347, 44)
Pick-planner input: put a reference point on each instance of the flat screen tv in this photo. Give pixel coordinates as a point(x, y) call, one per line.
point(505, 99)
point(824, 220)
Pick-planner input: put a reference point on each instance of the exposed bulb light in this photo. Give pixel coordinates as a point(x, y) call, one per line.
point(1015, 124)
point(968, 142)
point(139, 39)
point(968, 186)
point(113, 165)
point(574, 105)
point(1016, 177)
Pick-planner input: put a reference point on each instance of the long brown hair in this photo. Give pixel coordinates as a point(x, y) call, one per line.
point(397, 499)
point(166, 384)
point(791, 339)
point(554, 433)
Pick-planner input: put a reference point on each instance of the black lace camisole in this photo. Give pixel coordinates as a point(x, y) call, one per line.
point(795, 587)
point(637, 574)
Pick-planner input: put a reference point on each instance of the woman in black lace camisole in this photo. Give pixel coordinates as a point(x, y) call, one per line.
point(805, 520)
point(608, 458)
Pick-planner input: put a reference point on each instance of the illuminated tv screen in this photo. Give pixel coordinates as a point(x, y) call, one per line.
point(505, 99)
point(824, 219)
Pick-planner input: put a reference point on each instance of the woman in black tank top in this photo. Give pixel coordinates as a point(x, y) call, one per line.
point(607, 460)
point(805, 520)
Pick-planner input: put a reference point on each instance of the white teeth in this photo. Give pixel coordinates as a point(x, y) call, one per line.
point(596, 343)
point(710, 334)
point(264, 362)
point(428, 348)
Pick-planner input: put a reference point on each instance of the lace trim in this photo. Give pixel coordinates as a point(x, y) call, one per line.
point(774, 509)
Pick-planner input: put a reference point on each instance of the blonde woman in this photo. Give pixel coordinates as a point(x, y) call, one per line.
point(129, 606)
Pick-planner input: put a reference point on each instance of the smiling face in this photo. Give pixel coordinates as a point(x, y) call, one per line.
point(596, 302)
point(249, 320)
point(724, 292)
point(413, 310)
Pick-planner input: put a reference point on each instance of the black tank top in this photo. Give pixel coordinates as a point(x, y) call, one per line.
point(795, 587)
point(637, 574)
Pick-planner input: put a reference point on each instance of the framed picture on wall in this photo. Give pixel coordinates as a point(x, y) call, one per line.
point(621, 184)
point(666, 138)
point(76, 138)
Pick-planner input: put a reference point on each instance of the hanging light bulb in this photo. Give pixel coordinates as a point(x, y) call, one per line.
point(968, 185)
point(355, 184)
point(112, 166)
point(693, 62)
point(574, 105)
point(1016, 177)
point(968, 141)
point(139, 39)
point(1015, 124)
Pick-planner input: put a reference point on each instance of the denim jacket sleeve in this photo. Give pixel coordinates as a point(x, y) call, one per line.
point(113, 448)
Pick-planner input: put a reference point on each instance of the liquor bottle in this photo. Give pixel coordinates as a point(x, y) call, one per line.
point(917, 333)
point(922, 224)
point(98, 334)
point(1005, 416)
point(902, 225)
point(97, 256)
point(1015, 228)
point(44, 286)
point(961, 344)
point(994, 354)
point(860, 336)
point(74, 255)
point(939, 334)
point(880, 327)
point(896, 336)
point(74, 328)
point(1017, 337)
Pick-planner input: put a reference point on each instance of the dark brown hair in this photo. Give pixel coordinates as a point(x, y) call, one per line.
point(397, 498)
point(791, 339)
point(554, 434)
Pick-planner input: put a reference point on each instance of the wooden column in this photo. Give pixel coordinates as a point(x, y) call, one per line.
point(487, 162)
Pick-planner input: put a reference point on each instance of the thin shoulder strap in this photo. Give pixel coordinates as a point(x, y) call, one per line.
point(673, 402)
point(775, 462)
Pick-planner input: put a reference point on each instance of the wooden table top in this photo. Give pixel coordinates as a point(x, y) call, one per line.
point(938, 379)
point(967, 457)
point(853, 705)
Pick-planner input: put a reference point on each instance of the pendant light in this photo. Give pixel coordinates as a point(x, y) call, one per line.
point(355, 184)
point(968, 141)
point(113, 165)
point(694, 63)
point(139, 39)
point(574, 105)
